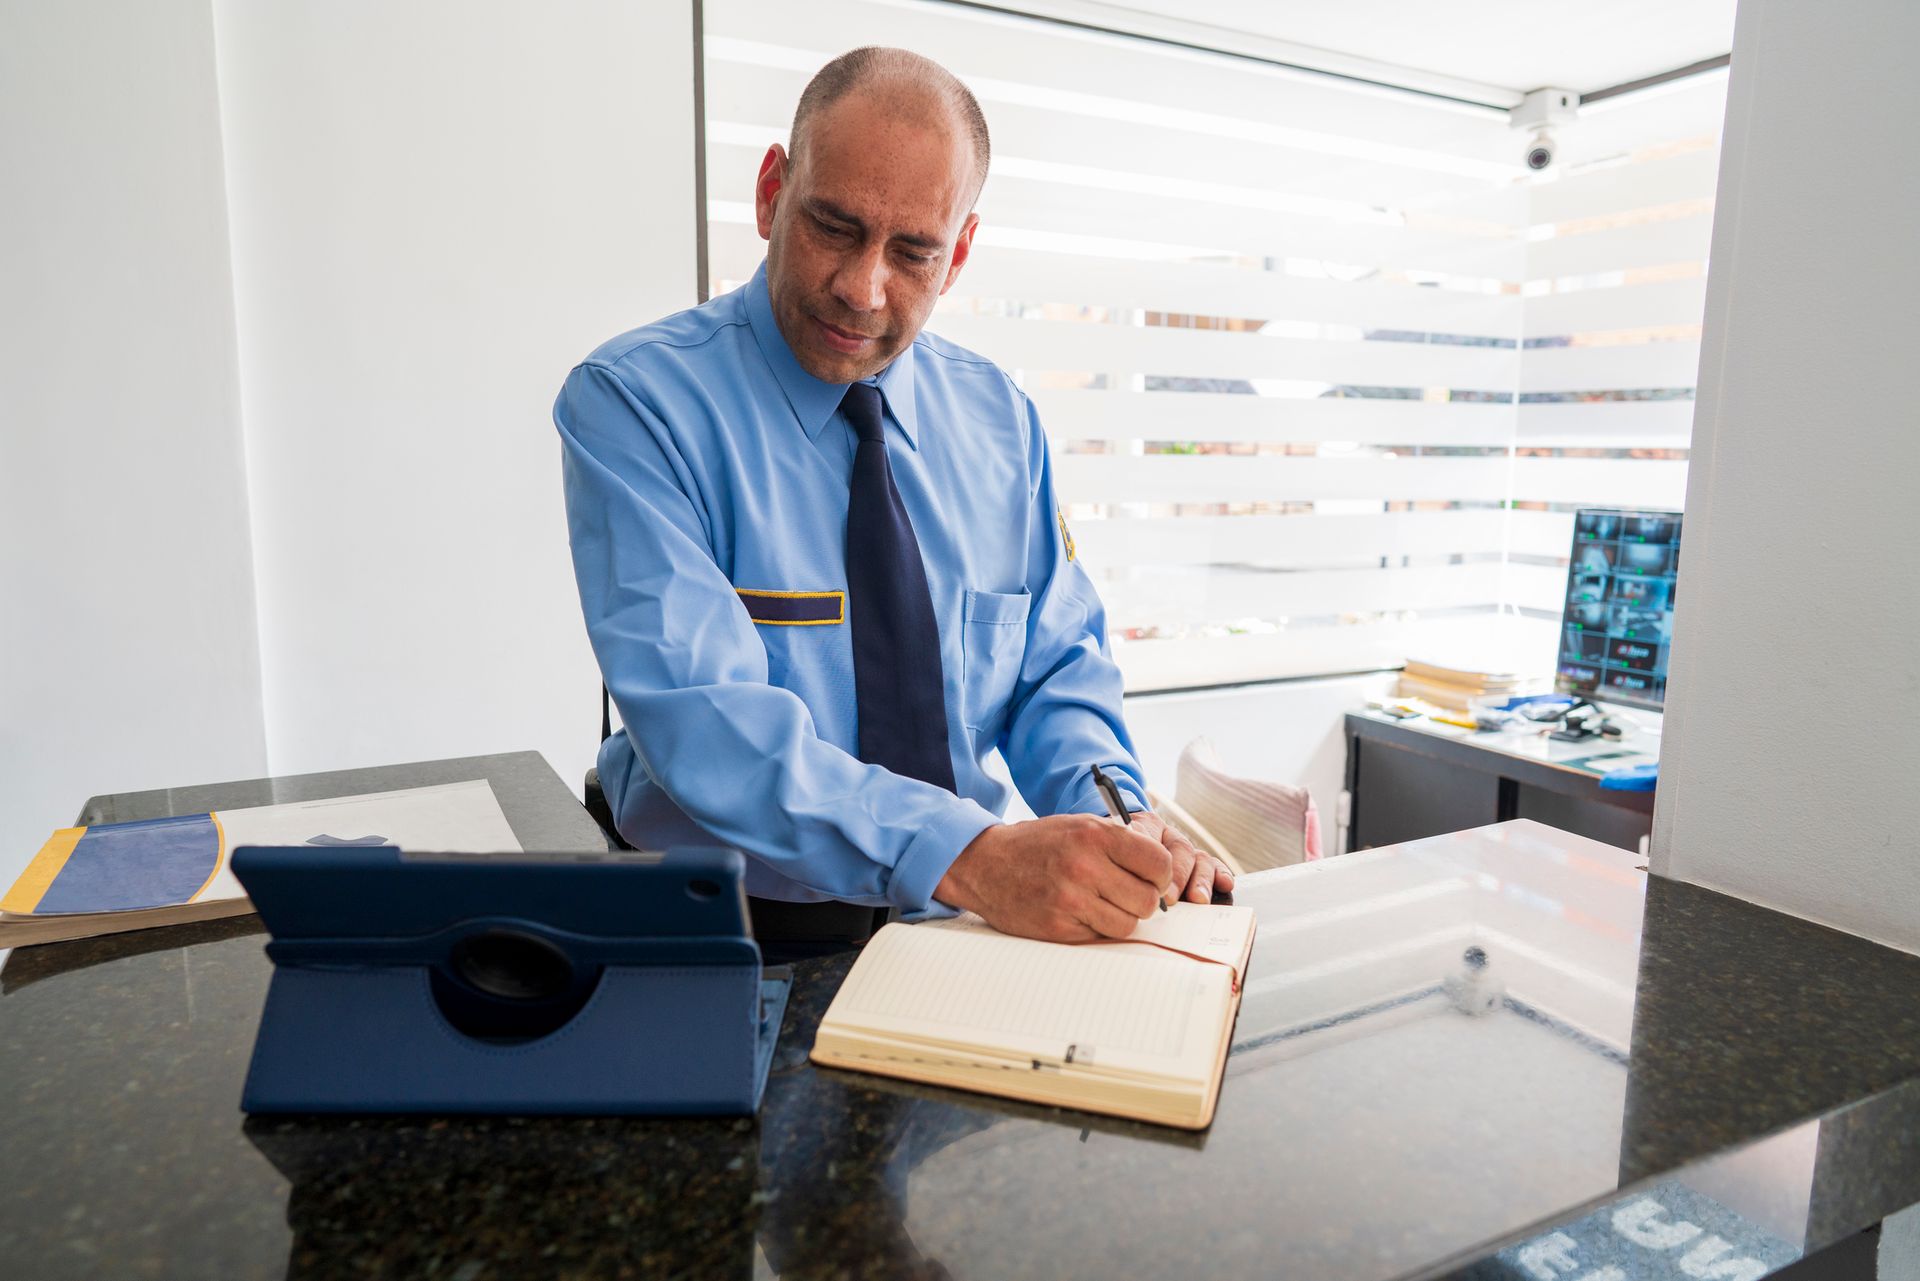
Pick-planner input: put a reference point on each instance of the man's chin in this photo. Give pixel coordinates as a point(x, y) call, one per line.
point(835, 367)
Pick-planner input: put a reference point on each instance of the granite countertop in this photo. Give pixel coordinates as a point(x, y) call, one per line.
point(1659, 1058)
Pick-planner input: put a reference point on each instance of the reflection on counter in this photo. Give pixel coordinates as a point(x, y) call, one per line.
point(1455, 1050)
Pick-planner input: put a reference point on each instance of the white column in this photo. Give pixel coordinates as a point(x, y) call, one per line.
point(128, 653)
point(1790, 773)
point(439, 207)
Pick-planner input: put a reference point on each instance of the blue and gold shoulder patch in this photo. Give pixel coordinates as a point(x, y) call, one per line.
point(794, 609)
point(1066, 536)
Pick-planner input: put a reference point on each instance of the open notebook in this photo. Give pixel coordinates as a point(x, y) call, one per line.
point(1136, 1028)
point(109, 877)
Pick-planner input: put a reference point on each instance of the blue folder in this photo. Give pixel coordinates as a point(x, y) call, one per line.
point(509, 983)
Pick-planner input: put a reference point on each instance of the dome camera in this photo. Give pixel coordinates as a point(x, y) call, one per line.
point(1538, 114)
point(1541, 151)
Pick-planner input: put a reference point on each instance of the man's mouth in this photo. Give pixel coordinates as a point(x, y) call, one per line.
point(842, 340)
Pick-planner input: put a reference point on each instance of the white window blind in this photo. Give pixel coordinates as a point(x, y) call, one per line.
point(1611, 308)
point(1323, 373)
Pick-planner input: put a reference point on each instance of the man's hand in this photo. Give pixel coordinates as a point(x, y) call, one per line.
point(1068, 879)
point(1195, 875)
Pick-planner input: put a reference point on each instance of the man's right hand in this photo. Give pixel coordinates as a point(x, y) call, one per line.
point(1069, 878)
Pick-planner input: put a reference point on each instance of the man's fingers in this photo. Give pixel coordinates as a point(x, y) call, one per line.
point(1200, 885)
point(1128, 893)
point(1107, 920)
point(1186, 861)
point(1222, 876)
point(1139, 854)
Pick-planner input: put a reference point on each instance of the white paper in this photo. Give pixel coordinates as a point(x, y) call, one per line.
point(463, 817)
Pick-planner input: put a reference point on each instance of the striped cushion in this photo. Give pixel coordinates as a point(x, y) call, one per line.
point(1264, 824)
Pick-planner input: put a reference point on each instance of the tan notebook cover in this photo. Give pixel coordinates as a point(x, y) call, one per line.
point(1137, 1028)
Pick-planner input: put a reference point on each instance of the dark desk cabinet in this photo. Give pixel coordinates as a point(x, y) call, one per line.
point(1406, 783)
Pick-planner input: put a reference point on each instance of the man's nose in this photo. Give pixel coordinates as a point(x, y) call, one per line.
point(861, 282)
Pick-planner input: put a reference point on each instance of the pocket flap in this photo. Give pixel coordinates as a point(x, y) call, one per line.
point(997, 607)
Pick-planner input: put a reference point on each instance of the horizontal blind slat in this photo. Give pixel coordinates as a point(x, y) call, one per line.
point(1051, 208)
point(1629, 366)
point(1205, 289)
point(1541, 587)
point(1108, 478)
point(1653, 244)
point(1619, 188)
point(1099, 74)
point(1211, 416)
point(1644, 424)
point(1540, 533)
point(1061, 210)
point(1303, 541)
point(1646, 306)
point(1601, 482)
point(1063, 345)
point(1306, 651)
point(1174, 598)
point(1202, 289)
point(764, 103)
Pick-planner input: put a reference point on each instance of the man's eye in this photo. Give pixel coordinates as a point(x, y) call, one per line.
point(827, 228)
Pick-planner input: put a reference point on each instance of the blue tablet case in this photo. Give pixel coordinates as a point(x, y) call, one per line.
point(509, 983)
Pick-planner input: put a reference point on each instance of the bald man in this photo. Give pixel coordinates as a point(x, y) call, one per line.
point(825, 573)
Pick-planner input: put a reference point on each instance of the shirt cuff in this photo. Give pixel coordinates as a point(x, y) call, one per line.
point(1087, 799)
point(932, 852)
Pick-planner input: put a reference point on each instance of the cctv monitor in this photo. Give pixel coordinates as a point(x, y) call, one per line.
point(1618, 620)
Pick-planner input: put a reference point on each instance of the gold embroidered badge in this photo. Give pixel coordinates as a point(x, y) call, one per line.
point(1066, 536)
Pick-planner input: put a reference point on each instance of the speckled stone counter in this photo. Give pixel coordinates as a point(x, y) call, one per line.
point(1664, 1077)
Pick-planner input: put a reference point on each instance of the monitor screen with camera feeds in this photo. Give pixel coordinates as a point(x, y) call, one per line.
point(1618, 618)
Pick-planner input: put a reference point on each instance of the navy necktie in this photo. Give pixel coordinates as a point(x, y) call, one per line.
point(897, 678)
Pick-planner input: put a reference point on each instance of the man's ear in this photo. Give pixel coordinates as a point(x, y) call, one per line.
point(962, 249)
point(766, 188)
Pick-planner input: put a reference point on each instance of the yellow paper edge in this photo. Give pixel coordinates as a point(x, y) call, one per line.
point(34, 883)
point(219, 857)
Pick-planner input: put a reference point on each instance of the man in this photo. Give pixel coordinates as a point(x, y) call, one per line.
point(823, 568)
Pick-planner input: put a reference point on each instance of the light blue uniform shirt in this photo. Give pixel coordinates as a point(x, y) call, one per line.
point(700, 458)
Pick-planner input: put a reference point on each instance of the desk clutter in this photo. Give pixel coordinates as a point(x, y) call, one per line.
point(1622, 753)
point(1459, 688)
point(109, 877)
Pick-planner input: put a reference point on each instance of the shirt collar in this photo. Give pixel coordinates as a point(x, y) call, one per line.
point(813, 400)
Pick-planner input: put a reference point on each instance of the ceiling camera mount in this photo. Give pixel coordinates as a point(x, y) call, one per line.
point(1541, 112)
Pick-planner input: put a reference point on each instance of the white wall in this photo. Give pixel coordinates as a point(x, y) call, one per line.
point(128, 656)
point(1790, 764)
point(438, 208)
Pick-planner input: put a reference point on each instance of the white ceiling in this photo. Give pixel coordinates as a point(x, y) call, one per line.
point(1517, 45)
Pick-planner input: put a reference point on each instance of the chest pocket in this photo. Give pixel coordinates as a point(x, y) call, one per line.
point(994, 642)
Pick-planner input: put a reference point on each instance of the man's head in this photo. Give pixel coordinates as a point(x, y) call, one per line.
point(869, 217)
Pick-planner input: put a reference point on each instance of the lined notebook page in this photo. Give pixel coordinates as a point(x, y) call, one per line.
point(1221, 933)
point(984, 988)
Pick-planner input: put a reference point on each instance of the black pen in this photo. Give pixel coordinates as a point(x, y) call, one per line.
point(1116, 807)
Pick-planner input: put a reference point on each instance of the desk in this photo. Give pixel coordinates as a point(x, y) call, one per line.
point(1366, 1129)
point(1413, 778)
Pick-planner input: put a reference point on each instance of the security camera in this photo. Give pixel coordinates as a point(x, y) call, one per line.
point(1541, 151)
point(1539, 113)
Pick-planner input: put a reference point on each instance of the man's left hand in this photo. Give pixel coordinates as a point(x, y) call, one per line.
point(1196, 875)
